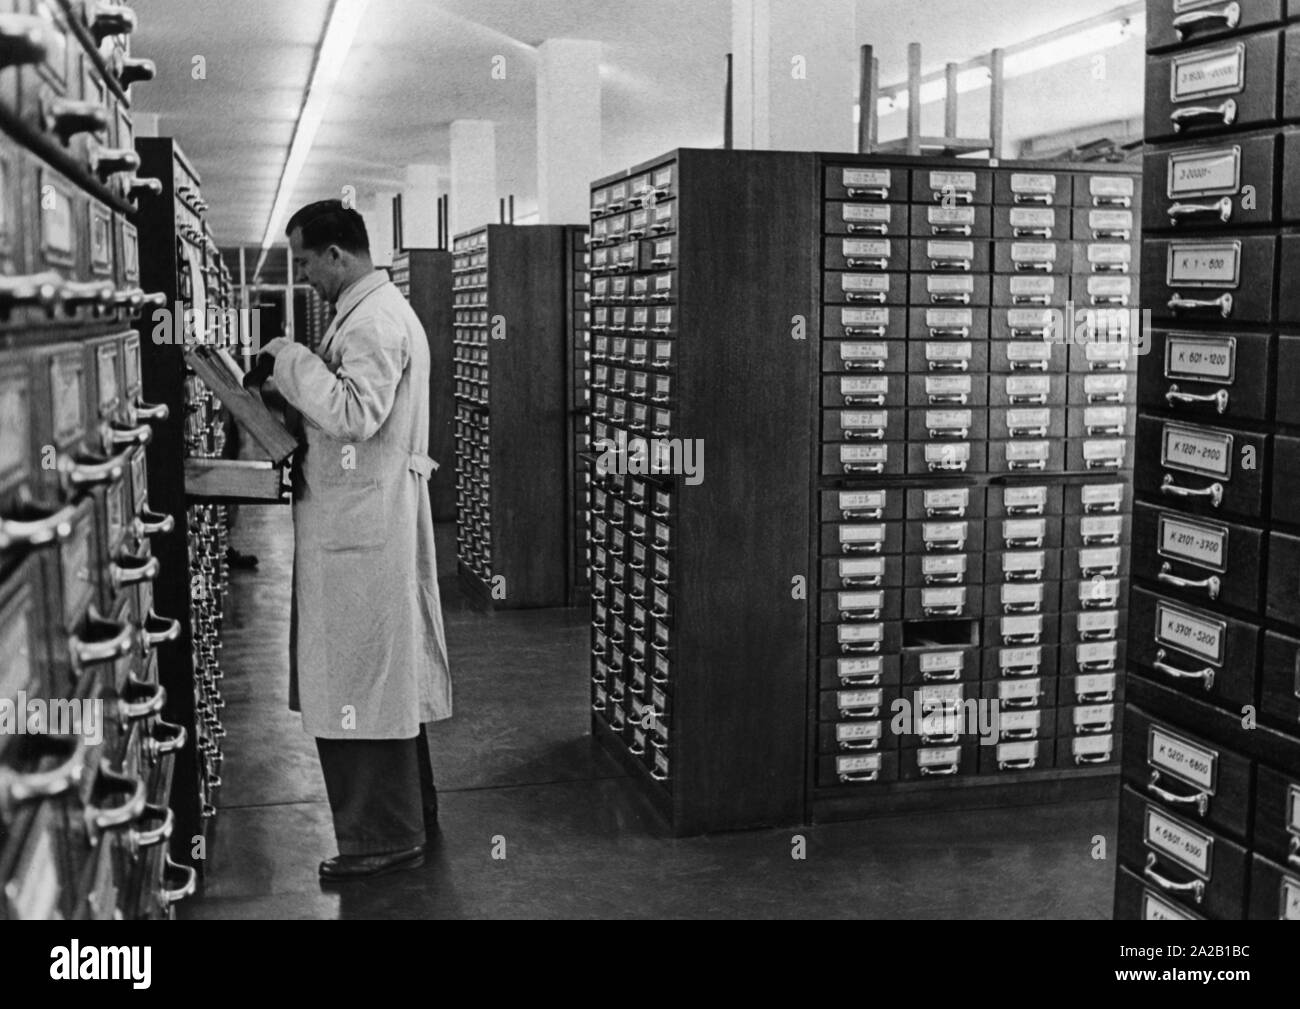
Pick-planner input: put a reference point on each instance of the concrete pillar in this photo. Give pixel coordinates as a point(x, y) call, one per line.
point(473, 174)
point(795, 67)
point(568, 129)
point(376, 208)
point(425, 184)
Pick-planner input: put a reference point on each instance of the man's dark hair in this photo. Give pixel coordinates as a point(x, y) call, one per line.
point(327, 223)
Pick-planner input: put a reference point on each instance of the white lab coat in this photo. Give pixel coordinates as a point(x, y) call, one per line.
point(367, 649)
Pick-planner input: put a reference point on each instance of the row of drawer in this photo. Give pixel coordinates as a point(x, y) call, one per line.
point(644, 222)
point(1003, 222)
point(66, 255)
point(965, 458)
point(977, 424)
point(921, 357)
point(999, 391)
point(645, 189)
point(648, 745)
point(1089, 671)
point(1001, 291)
point(1070, 627)
point(54, 86)
point(922, 537)
point(965, 760)
point(637, 256)
point(1179, 23)
point(1058, 326)
point(957, 597)
point(925, 255)
point(642, 289)
point(953, 187)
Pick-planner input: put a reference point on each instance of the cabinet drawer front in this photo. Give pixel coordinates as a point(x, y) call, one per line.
point(1288, 297)
point(1280, 680)
point(1189, 864)
point(1085, 751)
point(1022, 597)
point(867, 184)
point(864, 323)
point(1286, 473)
point(936, 570)
point(1020, 693)
point(1107, 290)
point(950, 255)
point(857, 425)
point(1284, 577)
point(1031, 223)
point(1027, 291)
point(1288, 377)
point(867, 460)
point(1007, 567)
point(1014, 756)
point(861, 539)
point(949, 664)
point(1136, 901)
point(846, 288)
point(1101, 498)
point(1202, 653)
point(857, 673)
point(952, 187)
point(1079, 627)
point(1109, 421)
point(948, 324)
point(857, 769)
point(1090, 562)
point(938, 221)
point(855, 605)
point(1031, 189)
point(947, 424)
point(944, 502)
point(862, 572)
point(1034, 257)
point(1027, 501)
point(1205, 376)
point(926, 762)
point(1025, 357)
point(1206, 186)
point(1277, 816)
point(1027, 456)
point(866, 255)
point(1107, 190)
point(863, 505)
point(1274, 891)
point(868, 357)
point(867, 219)
point(1026, 390)
point(1079, 687)
point(944, 290)
point(941, 602)
point(941, 458)
point(1187, 22)
point(1201, 780)
point(1024, 661)
point(1197, 560)
point(855, 391)
point(1208, 88)
point(1201, 469)
point(851, 738)
point(864, 704)
point(1210, 280)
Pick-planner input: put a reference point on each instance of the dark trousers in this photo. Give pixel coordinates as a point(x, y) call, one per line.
point(381, 792)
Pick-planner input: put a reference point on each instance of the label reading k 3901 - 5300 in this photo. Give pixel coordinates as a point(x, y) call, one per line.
point(1190, 632)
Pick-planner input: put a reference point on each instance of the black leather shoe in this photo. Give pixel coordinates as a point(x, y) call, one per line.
point(345, 867)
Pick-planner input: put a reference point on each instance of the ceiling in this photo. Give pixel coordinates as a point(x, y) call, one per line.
point(419, 64)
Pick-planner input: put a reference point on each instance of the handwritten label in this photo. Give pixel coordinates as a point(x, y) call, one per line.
point(1204, 173)
point(1185, 845)
point(859, 177)
point(1206, 73)
point(877, 283)
point(1036, 184)
point(868, 213)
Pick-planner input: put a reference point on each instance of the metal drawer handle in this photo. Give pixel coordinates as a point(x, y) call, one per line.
point(1021, 607)
point(851, 616)
point(957, 511)
point(127, 569)
point(1182, 118)
point(1017, 765)
point(951, 265)
point(942, 196)
point(158, 630)
point(946, 739)
point(943, 611)
point(1196, 888)
point(1031, 464)
point(1028, 365)
point(1094, 398)
point(1019, 734)
point(1042, 199)
point(859, 298)
point(1223, 208)
point(67, 117)
point(149, 523)
point(950, 299)
point(1229, 17)
point(1214, 492)
point(939, 772)
point(861, 467)
point(103, 647)
point(137, 839)
point(89, 469)
point(140, 699)
point(1034, 267)
point(872, 649)
point(932, 677)
point(1211, 584)
point(50, 528)
point(1028, 432)
point(17, 786)
point(945, 546)
point(1223, 303)
point(1035, 575)
point(954, 433)
point(148, 411)
point(876, 264)
point(859, 776)
point(1293, 856)
point(1201, 800)
point(1031, 334)
point(24, 39)
point(1030, 299)
point(863, 513)
point(865, 434)
point(948, 365)
point(943, 579)
point(108, 161)
point(868, 229)
point(1206, 675)
point(963, 230)
point(875, 581)
point(171, 895)
point(1032, 232)
point(872, 745)
point(43, 289)
point(862, 548)
point(1220, 399)
point(1111, 429)
point(875, 193)
point(1108, 569)
point(1021, 400)
point(957, 332)
point(1021, 702)
point(658, 776)
point(120, 436)
point(1021, 639)
point(173, 740)
point(111, 784)
point(1030, 670)
point(865, 365)
point(860, 712)
point(864, 330)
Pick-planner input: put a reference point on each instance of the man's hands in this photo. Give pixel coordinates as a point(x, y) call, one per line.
point(265, 365)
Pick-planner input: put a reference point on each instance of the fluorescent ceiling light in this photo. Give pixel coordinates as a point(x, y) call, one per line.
point(1027, 61)
point(340, 30)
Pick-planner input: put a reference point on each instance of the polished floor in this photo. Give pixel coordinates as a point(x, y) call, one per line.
point(519, 776)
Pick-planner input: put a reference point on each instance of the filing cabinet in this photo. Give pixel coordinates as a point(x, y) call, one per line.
point(1208, 634)
point(517, 445)
point(681, 357)
point(424, 277)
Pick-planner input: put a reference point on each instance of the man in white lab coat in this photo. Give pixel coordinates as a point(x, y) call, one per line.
point(368, 656)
